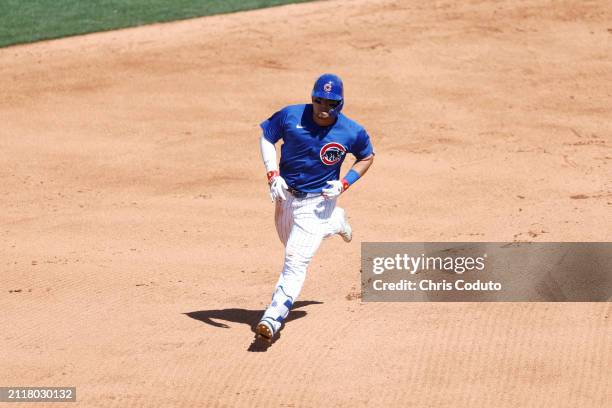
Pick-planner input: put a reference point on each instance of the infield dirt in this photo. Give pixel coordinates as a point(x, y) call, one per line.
point(137, 240)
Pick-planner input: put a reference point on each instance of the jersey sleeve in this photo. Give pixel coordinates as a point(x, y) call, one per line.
point(273, 127)
point(362, 147)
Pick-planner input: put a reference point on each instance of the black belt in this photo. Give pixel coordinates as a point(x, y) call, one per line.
point(297, 193)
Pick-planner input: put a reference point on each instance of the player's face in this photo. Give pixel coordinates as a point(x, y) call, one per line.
point(321, 107)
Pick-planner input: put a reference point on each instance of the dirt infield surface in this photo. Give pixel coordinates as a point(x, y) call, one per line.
point(137, 239)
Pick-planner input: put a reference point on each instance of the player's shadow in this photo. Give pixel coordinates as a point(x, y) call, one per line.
point(249, 317)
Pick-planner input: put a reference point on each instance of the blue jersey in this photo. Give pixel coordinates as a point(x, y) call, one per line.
point(311, 154)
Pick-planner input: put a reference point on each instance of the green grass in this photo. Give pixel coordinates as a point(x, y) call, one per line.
point(23, 21)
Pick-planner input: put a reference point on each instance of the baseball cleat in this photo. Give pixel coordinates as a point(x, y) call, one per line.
point(264, 329)
point(347, 231)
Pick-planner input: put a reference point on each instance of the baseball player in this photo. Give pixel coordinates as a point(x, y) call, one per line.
point(316, 138)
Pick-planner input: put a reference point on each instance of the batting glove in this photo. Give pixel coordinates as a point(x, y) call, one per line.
point(336, 187)
point(277, 186)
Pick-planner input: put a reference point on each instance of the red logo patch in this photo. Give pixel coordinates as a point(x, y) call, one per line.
point(332, 153)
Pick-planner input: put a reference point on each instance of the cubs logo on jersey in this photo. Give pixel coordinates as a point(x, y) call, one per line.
point(332, 153)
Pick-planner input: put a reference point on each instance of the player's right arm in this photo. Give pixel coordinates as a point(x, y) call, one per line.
point(268, 154)
point(276, 183)
point(273, 130)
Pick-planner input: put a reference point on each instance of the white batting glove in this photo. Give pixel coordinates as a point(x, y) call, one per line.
point(277, 186)
point(334, 190)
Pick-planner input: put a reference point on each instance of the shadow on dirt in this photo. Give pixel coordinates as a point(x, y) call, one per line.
point(249, 317)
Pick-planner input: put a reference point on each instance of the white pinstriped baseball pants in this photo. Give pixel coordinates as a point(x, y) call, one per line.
point(301, 223)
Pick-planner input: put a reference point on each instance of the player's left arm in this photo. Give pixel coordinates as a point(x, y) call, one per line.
point(359, 168)
point(364, 153)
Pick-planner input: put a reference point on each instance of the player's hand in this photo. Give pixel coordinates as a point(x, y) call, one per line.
point(334, 190)
point(277, 188)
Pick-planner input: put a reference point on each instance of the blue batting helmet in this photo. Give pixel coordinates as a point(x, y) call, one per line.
point(329, 86)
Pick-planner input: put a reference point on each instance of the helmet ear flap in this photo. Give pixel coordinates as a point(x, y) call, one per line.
point(336, 111)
